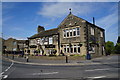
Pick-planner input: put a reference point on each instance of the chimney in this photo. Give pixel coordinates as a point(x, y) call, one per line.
point(40, 29)
point(93, 21)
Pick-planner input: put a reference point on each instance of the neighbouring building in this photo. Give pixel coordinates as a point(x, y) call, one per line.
point(12, 44)
point(73, 35)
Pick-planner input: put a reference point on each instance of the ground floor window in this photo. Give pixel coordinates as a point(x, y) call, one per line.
point(67, 48)
point(73, 49)
point(78, 49)
point(91, 49)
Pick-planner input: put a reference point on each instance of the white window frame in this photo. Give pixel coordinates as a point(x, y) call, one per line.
point(77, 49)
point(50, 40)
point(74, 29)
point(101, 34)
point(92, 31)
point(75, 46)
point(70, 32)
point(67, 31)
point(77, 31)
point(64, 34)
point(67, 47)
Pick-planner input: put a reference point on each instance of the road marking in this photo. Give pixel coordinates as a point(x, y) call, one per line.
point(2, 73)
point(5, 76)
point(101, 69)
point(9, 67)
point(97, 77)
point(44, 73)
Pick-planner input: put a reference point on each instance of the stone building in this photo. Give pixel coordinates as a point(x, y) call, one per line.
point(73, 36)
point(44, 42)
point(14, 45)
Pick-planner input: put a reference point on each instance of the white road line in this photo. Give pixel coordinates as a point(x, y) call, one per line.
point(5, 76)
point(97, 77)
point(101, 69)
point(9, 67)
point(44, 73)
point(2, 73)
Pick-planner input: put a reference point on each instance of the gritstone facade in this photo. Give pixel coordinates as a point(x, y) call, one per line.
point(73, 36)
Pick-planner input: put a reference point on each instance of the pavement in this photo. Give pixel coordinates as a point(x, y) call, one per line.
point(57, 62)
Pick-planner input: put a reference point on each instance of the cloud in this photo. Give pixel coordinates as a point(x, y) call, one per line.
point(110, 24)
point(108, 21)
point(60, 0)
point(60, 9)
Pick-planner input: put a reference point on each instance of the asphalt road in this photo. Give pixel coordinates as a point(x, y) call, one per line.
point(106, 70)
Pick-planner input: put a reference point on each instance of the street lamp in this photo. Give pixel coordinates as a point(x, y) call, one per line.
point(13, 49)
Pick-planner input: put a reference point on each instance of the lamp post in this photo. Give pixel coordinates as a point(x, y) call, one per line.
point(13, 49)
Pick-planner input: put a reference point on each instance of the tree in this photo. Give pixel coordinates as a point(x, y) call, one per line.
point(117, 48)
point(118, 41)
point(109, 45)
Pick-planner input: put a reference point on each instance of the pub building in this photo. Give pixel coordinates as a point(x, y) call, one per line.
point(73, 35)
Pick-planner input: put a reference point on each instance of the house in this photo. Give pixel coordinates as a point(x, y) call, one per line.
point(12, 44)
point(73, 35)
point(44, 42)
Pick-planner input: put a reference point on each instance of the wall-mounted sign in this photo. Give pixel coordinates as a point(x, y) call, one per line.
point(49, 46)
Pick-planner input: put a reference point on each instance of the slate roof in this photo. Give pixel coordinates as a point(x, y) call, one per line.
point(79, 18)
point(45, 33)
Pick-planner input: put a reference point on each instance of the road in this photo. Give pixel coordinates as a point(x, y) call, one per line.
point(101, 69)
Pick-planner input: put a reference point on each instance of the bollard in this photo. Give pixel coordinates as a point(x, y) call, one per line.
point(27, 58)
point(13, 56)
point(66, 59)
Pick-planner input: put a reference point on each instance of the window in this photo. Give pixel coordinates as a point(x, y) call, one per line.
point(78, 31)
point(101, 34)
point(64, 48)
point(14, 43)
point(91, 49)
point(92, 31)
point(71, 49)
point(67, 31)
point(78, 49)
point(70, 32)
point(32, 42)
point(50, 40)
point(64, 33)
point(67, 48)
point(74, 32)
point(75, 49)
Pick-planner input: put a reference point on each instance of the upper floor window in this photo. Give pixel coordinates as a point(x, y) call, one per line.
point(74, 32)
point(67, 32)
point(50, 40)
point(64, 33)
point(78, 31)
point(14, 43)
point(32, 42)
point(92, 31)
point(101, 34)
point(71, 32)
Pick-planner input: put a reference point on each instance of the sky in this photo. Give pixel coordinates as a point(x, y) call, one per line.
point(21, 19)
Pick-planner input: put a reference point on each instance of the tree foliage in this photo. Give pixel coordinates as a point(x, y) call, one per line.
point(117, 48)
point(109, 47)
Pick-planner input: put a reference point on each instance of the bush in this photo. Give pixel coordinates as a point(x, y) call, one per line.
point(109, 47)
point(117, 48)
